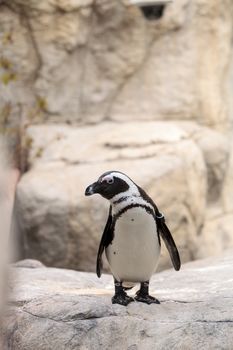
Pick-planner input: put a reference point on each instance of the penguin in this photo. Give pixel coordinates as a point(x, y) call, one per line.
point(131, 237)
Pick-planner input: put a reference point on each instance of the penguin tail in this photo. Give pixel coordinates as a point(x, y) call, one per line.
point(128, 285)
point(127, 288)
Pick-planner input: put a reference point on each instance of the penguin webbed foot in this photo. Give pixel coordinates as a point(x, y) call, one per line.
point(120, 296)
point(146, 298)
point(122, 299)
point(143, 296)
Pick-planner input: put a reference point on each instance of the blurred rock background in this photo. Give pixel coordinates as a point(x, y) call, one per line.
point(8, 179)
point(88, 86)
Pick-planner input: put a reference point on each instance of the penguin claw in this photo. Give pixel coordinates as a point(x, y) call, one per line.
point(122, 299)
point(148, 299)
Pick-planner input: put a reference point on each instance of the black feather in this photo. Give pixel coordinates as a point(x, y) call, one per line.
point(106, 239)
point(169, 242)
point(164, 232)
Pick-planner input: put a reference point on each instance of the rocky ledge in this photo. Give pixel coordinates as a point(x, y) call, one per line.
point(59, 309)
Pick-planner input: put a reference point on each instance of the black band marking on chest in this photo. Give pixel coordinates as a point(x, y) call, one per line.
point(120, 200)
point(135, 205)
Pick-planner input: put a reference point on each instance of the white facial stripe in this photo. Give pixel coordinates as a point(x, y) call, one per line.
point(123, 177)
point(107, 178)
point(132, 191)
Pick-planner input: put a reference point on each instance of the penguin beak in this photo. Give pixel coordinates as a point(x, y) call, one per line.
point(92, 189)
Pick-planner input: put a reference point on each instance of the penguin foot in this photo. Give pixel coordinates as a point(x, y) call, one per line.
point(146, 298)
point(122, 299)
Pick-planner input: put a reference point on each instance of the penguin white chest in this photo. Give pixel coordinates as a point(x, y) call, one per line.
point(134, 252)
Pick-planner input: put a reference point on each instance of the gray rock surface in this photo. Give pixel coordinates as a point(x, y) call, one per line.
point(62, 309)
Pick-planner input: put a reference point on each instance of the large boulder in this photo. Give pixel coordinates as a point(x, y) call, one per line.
point(87, 61)
point(54, 308)
point(227, 193)
point(216, 150)
point(216, 234)
point(62, 227)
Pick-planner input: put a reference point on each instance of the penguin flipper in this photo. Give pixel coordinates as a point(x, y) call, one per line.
point(169, 242)
point(105, 241)
point(164, 232)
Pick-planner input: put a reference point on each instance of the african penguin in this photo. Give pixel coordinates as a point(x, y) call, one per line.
point(131, 237)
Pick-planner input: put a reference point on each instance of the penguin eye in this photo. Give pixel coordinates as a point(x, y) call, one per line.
point(110, 181)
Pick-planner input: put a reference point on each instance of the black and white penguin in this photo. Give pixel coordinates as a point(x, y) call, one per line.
point(131, 237)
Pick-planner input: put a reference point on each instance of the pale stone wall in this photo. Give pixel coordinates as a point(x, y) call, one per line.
point(88, 61)
point(151, 98)
point(180, 164)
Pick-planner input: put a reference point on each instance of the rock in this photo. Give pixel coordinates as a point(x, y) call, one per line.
point(63, 228)
point(227, 193)
point(29, 263)
point(53, 5)
point(86, 61)
point(62, 144)
point(216, 151)
point(216, 235)
point(74, 310)
point(18, 67)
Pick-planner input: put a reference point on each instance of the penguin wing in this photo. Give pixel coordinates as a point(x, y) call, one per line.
point(169, 242)
point(106, 239)
point(164, 232)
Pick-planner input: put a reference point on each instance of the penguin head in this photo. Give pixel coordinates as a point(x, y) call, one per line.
point(110, 184)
